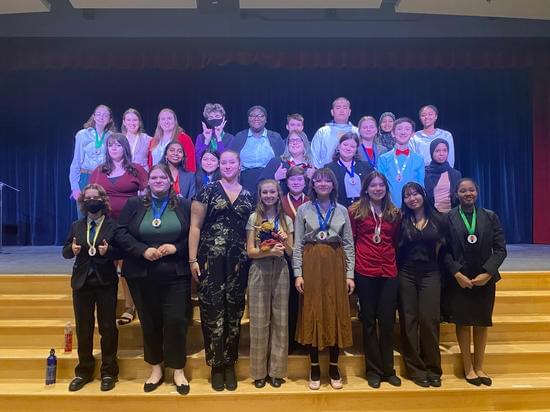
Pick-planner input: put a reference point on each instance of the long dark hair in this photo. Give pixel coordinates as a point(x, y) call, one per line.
point(127, 164)
point(432, 215)
point(172, 195)
point(201, 173)
point(181, 164)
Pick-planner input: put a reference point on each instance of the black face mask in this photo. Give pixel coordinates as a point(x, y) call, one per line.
point(213, 123)
point(93, 205)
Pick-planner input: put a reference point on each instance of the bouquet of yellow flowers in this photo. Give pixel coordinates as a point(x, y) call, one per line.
point(268, 236)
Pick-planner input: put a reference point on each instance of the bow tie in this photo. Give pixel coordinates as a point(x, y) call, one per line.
point(402, 152)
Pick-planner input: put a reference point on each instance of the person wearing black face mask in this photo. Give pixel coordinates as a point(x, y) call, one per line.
point(95, 283)
point(213, 135)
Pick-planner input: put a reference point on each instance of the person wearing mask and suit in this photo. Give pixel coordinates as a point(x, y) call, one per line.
point(95, 283)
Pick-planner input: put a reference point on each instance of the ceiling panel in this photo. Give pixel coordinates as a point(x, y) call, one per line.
point(24, 6)
point(134, 4)
point(522, 9)
point(310, 4)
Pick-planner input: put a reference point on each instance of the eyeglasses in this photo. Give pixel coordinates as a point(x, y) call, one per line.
point(92, 198)
point(295, 141)
point(256, 116)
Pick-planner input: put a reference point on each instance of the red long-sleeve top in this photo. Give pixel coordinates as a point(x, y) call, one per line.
point(188, 148)
point(371, 259)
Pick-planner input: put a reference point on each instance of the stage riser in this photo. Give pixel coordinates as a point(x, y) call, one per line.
point(465, 399)
point(298, 366)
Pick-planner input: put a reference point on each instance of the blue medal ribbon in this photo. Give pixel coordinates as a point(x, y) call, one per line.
point(158, 211)
point(373, 161)
point(323, 222)
point(350, 172)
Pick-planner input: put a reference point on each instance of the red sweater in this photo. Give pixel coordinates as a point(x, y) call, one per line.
point(296, 203)
point(188, 148)
point(371, 259)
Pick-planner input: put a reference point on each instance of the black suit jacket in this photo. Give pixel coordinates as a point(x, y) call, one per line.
point(361, 168)
point(130, 241)
point(104, 265)
point(491, 238)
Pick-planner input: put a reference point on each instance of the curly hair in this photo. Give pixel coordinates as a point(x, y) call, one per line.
point(106, 210)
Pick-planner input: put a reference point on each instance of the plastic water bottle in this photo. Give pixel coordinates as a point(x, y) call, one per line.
point(68, 337)
point(51, 368)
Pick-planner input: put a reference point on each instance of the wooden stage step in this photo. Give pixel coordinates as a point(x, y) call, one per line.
point(520, 392)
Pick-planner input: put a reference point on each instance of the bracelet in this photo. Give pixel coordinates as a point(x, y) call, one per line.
point(193, 260)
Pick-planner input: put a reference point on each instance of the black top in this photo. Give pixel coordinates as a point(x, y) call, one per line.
point(133, 243)
point(103, 266)
point(223, 232)
point(361, 168)
point(418, 249)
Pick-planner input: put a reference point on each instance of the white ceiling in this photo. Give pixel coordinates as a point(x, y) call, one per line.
point(134, 4)
point(24, 6)
point(522, 9)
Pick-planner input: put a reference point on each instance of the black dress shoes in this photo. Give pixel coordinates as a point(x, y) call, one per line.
point(183, 389)
point(485, 380)
point(435, 381)
point(423, 382)
point(474, 381)
point(276, 382)
point(393, 380)
point(150, 387)
point(259, 383)
point(108, 383)
point(373, 381)
point(230, 377)
point(217, 378)
point(78, 383)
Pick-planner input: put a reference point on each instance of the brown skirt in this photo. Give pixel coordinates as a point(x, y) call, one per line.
point(324, 313)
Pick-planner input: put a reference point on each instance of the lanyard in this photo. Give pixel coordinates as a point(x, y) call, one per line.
point(324, 222)
point(470, 228)
point(158, 211)
point(349, 171)
point(401, 171)
point(133, 145)
point(98, 141)
point(97, 229)
point(373, 161)
point(377, 223)
point(291, 204)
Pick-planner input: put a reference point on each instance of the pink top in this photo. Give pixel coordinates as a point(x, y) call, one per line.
point(442, 193)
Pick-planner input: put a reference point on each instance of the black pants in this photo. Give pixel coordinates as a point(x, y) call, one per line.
point(419, 315)
point(222, 288)
point(293, 304)
point(86, 300)
point(378, 301)
point(163, 303)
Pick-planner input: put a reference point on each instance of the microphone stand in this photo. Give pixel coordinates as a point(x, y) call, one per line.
point(2, 184)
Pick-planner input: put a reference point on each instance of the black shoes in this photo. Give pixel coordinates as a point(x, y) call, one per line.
point(150, 387)
point(373, 381)
point(485, 380)
point(435, 381)
point(217, 378)
point(78, 383)
point(393, 380)
point(259, 383)
point(423, 382)
point(183, 389)
point(474, 381)
point(108, 383)
point(276, 382)
point(230, 377)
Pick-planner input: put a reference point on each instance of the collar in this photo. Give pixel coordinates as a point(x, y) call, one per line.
point(98, 221)
point(264, 133)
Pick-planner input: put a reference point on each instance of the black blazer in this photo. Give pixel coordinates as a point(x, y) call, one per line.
point(361, 168)
point(275, 140)
point(104, 265)
point(129, 239)
point(491, 238)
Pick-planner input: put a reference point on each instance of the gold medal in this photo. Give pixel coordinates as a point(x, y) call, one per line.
point(156, 222)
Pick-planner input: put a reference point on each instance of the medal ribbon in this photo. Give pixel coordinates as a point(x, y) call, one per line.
point(402, 170)
point(98, 141)
point(291, 204)
point(349, 171)
point(377, 223)
point(96, 234)
point(158, 211)
point(323, 222)
point(373, 161)
point(470, 228)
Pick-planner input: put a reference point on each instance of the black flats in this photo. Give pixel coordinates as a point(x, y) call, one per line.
point(108, 383)
point(150, 387)
point(480, 380)
point(78, 383)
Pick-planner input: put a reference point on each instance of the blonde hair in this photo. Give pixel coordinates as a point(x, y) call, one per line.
point(260, 208)
point(111, 127)
point(159, 132)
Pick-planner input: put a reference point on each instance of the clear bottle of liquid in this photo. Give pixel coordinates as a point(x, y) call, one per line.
point(68, 337)
point(51, 368)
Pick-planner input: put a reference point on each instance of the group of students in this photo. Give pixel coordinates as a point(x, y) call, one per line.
point(401, 236)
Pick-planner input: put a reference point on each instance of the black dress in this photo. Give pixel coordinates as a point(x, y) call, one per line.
point(474, 307)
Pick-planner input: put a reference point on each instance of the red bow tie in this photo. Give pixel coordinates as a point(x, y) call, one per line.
point(402, 152)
